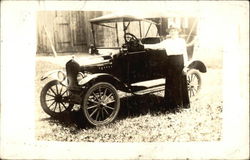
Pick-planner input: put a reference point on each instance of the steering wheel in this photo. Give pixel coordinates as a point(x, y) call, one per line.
point(130, 38)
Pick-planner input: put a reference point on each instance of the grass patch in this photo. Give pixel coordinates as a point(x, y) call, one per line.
point(141, 119)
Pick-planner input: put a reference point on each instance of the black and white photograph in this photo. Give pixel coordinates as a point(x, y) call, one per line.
point(125, 80)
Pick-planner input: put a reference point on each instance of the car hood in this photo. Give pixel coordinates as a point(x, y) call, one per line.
point(92, 60)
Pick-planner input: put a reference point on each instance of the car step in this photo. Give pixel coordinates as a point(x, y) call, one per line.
point(152, 89)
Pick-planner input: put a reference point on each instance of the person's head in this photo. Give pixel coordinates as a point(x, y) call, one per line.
point(173, 31)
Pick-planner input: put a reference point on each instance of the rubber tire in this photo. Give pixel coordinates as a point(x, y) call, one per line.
point(198, 76)
point(45, 107)
point(84, 105)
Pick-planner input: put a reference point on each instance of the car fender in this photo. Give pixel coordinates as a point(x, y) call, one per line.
point(104, 77)
point(53, 75)
point(196, 64)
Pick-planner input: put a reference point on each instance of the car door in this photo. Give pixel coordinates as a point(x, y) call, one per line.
point(136, 67)
point(157, 63)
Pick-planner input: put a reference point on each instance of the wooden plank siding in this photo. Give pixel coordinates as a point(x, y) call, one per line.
point(69, 31)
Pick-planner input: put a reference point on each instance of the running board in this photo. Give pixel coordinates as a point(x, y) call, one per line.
point(152, 89)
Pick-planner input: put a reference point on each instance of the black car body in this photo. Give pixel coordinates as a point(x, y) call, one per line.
point(95, 86)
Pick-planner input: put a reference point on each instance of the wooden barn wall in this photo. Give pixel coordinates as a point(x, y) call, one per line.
point(70, 31)
point(67, 31)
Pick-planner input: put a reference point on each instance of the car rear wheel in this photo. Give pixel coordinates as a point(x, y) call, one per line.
point(101, 104)
point(54, 99)
point(193, 82)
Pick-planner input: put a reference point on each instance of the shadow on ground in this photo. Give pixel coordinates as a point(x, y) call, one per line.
point(132, 106)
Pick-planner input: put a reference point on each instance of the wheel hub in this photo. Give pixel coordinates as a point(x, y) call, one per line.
point(58, 98)
point(191, 86)
point(102, 104)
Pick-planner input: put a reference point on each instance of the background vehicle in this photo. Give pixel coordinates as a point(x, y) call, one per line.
point(127, 67)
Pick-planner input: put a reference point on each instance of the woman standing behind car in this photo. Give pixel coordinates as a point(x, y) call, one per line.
point(176, 92)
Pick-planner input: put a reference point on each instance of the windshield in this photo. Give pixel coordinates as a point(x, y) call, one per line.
point(112, 34)
point(109, 31)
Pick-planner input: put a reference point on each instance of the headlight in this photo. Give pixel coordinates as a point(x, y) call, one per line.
point(80, 77)
point(61, 76)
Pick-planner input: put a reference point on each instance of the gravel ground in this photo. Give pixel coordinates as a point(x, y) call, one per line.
point(141, 119)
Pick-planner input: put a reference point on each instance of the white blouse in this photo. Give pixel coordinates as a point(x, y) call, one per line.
point(173, 46)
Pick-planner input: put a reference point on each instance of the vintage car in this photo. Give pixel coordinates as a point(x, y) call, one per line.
point(96, 87)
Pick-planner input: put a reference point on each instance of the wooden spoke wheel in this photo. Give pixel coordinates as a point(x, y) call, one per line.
point(101, 104)
point(193, 82)
point(54, 99)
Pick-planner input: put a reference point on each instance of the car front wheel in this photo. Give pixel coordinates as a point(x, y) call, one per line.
point(54, 99)
point(101, 104)
point(193, 82)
